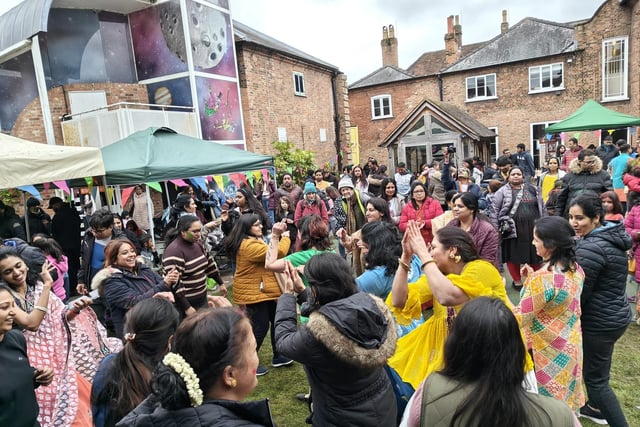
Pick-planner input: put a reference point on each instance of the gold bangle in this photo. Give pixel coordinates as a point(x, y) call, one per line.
point(406, 267)
point(424, 264)
point(45, 310)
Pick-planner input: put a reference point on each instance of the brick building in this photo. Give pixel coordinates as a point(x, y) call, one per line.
point(72, 57)
point(529, 76)
point(288, 95)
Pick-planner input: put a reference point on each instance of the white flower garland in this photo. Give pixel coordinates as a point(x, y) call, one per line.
point(182, 368)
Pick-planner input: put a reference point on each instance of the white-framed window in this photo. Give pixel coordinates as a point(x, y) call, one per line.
point(482, 87)
point(544, 78)
point(381, 107)
point(615, 68)
point(298, 84)
point(282, 134)
point(495, 146)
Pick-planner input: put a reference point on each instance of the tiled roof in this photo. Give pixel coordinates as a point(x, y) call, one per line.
point(244, 33)
point(528, 39)
point(430, 63)
point(382, 75)
point(463, 121)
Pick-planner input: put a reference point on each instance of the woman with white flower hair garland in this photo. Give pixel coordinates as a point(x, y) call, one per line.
point(204, 380)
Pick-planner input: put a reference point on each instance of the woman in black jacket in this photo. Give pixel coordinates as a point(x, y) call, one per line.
point(203, 381)
point(602, 253)
point(124, 281)
point(344, 346)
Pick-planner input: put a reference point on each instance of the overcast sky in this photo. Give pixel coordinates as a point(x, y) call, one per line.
point(347, 33)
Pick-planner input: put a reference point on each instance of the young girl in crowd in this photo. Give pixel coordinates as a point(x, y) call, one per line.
point(56, 258)
point(285, 212)
point(612, 206)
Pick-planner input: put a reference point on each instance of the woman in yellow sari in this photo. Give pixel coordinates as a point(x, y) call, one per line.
point(453, 275)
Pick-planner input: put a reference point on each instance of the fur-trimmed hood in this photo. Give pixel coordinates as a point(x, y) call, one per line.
point(574, 166)
point(360, 330)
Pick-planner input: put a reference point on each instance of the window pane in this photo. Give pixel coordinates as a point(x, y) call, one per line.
point(534, 79)
point(481, 88)
point(471, 87)
point(546, 77)
point(557, 75)
point(491, 85)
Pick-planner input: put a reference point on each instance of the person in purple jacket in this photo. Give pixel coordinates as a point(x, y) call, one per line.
point(485, 236)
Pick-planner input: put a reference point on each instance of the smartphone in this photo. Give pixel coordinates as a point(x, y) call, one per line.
point(94, 295)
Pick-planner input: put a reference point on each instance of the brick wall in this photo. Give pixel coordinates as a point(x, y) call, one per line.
point(29, 123)
point(405, 96)
point(269, 102)
point(515, 110)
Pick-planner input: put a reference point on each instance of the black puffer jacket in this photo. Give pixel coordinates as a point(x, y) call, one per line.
point(602, 255)
point(343, 348)
point(578, 181)
point(212, 413)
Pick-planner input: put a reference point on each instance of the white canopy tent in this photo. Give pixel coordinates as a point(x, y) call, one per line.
point(24, 162)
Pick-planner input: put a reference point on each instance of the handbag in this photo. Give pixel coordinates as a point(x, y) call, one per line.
point(506, 224)
point(632, 263)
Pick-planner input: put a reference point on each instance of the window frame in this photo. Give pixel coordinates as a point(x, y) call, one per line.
point(625, 77)
point(382, 115)
point(298, 76)
point(481, 98)
point(539, 68)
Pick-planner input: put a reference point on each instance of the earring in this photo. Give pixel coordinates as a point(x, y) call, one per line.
point(451, 255)
point(233, 383)
point(457, 259)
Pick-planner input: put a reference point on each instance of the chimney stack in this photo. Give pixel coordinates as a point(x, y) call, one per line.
point(453, 40)
point(389, 45)
point(504, 27)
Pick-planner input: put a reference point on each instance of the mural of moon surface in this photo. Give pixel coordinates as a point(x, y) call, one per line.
point(207, 29)
point(162, 96)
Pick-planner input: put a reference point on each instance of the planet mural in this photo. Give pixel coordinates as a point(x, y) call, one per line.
point(162, 96)
point(207, 30)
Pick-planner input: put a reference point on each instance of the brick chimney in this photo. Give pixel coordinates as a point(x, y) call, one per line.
point(389, 45)
point(504, 27)
point(453, 40)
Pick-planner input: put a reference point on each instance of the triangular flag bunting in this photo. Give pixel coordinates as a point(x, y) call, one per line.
point(155, 185)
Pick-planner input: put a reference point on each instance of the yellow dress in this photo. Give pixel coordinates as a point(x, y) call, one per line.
point(420, 352)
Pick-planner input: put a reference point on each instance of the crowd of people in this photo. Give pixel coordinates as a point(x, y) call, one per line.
point(338, 272)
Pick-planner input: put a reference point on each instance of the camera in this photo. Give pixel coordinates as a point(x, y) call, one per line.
point(451, 149)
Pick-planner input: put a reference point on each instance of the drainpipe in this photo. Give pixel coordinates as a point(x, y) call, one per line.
point(440, 88)
point(336, 120)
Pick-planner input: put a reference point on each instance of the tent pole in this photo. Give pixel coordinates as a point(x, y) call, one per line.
point(150, 213)
point(26, 216)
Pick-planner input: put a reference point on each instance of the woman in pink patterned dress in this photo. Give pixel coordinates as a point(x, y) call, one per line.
point(71, 341)
point(549, 312)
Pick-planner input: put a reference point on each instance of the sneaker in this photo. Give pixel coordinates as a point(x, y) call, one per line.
point(596, 416)
point(279, 361)
point(262, 370)
point(303, 397)
point(631, 299)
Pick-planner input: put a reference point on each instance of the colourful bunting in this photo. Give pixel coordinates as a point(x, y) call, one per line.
point(178, 182)
point(46, 185)
point(110, 194)
point(598, 133)
point(220, 181)
point(155, 185)
point(576, 135)
point(200, 182)
point(31, 190)
point(632, 131)
point(611, 131)
point(264, 173)
point(63, 186)
point(225, 181)
point(562, 137)
point(126, 193)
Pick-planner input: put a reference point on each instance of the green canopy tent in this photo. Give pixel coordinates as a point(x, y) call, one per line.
point(592, 116)
point(161, 154)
